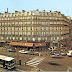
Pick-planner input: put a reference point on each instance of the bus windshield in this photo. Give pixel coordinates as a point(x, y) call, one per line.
point(12, 61)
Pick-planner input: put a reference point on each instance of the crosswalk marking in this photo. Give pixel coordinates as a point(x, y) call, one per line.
point(35, 61)
point(34, 64)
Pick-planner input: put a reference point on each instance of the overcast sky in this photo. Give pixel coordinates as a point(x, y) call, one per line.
point(64, 6)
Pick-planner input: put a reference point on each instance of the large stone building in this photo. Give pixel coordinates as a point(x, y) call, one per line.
point(34, 26)
point(71, 31)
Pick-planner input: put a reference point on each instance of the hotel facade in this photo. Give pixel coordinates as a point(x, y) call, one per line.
point(34, 26)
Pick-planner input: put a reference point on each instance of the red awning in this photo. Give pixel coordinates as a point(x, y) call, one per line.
point(39, 44)
point(27, 44)
point(21, 44)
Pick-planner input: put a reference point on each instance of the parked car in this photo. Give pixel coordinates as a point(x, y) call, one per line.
point(24, 52)
point(36, 53)
point(31, 53)
point(63, 53)
point(21, 51)
point(11, 50)
point(56, 55)
point(69, 53)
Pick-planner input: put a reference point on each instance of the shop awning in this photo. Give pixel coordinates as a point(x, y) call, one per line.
point(27, 44)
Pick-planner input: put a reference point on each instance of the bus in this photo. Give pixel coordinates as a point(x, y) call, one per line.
point(7, 62)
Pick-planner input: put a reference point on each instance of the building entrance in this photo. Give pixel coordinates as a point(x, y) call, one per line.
point(48, 44)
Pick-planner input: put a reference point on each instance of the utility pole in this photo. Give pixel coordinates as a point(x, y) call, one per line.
point(17, 56)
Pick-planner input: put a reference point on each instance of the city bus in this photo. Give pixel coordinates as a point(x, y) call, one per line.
point(7, 62)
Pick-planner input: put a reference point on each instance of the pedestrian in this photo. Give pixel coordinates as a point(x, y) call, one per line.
point(19, 62)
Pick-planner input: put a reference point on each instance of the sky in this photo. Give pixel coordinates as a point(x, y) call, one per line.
point(64, 6)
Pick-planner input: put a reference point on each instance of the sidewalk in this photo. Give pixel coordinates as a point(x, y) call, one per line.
point(23, 67)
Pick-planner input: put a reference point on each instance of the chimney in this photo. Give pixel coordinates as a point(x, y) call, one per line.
point(16, 11)
point(23, 10)
point(7, 10)
point(50, 10)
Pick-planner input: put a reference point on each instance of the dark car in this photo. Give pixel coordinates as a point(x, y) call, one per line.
point(11, 50)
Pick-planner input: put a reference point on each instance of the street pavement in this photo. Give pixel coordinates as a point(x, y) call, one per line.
point(35, 61)
point(39, 62)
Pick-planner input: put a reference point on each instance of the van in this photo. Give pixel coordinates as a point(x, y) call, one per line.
point(69, 53)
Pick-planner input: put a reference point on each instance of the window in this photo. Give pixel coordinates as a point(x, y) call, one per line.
point(57, 28)
point(0, 18)
point(2, 32)
point(61, 38)
point(36, 33)
point(54, 38)
point(46, 22)
point(17, 38)
point(20, 38)
point(20, 33)
point(42, 28)
point(16, 33)
point(57, 38)
point(25, 17)
point(26, 28)
point(36, 28)
point(50, 28)
point(2, 28)
point(0, 24)
point(12, 28)
point(51, 38)
point(8, 33)
point(13, 38)
point(39, 39)
point(31, 28)
point(12, 33)
point(30, 33)
point(61, 28)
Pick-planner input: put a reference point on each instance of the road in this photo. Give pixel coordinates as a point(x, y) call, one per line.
point(35, 61)
point(47, 64)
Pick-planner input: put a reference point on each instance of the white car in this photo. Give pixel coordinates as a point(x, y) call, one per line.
point(56, 55)
point(24, 52)
point(63, 53)
point(69, 53)
point(21, 51)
